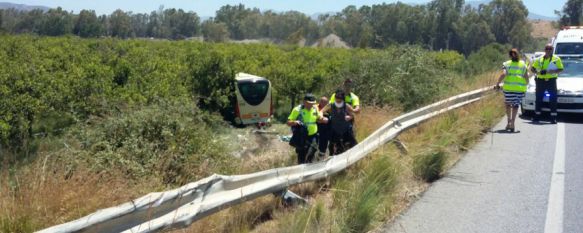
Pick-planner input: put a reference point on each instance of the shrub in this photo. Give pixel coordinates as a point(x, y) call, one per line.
point(172, 140)
point(486, 59)
point(429, 166)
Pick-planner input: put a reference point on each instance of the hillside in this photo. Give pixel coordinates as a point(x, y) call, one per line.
point(543, 29)
point(22, 7)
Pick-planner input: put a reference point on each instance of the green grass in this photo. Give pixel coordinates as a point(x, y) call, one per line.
point(10, 224)
point(430, 165)
point(367, 197)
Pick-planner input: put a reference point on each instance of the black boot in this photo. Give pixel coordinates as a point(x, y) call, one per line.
point(553, 120)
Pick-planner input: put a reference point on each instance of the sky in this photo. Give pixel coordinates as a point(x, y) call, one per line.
point(205, 8)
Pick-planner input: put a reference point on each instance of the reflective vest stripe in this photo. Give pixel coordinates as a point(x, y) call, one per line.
point(514, 83)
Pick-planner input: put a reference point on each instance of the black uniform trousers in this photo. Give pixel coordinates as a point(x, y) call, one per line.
point(307, 151)
point(549, 85)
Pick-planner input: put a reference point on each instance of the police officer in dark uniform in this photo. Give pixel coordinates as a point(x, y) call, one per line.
point(547, 69)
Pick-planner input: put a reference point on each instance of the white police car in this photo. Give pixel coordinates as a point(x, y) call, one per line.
point(569, 89)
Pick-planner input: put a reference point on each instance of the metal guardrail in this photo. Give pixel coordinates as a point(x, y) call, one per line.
point(180, 207)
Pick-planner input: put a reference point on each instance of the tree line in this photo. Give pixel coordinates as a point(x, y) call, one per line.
point(440, 24)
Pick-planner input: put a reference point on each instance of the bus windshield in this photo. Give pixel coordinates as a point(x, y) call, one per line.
point(253, 92)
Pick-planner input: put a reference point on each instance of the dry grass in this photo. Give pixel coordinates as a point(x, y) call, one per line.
point(41, 195)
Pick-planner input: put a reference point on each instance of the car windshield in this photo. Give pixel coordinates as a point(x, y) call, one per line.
point(572, 69)
point(569, 48)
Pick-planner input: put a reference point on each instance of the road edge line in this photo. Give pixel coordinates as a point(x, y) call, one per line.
point(554, 218)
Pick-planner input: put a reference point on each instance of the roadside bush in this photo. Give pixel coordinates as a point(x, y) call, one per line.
point(172, 140)
point(429, 166)
point(404, 76)
point(448, 60)
point(486, 59)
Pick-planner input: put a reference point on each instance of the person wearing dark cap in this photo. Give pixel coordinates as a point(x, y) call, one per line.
point(547, 69)
point(515, 77)
point(303, 119)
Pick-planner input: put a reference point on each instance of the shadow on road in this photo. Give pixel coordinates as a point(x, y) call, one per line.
point(503, 131)
point(571, 118)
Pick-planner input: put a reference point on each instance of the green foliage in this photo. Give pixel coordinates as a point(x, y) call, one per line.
point(215, 32)
point(16, 224)
point(410, 76)
point(448, 60)
point(486, 59)
point(172, 140)
point(56, 22)
point(429, 166)
point(572, 13)
point(508, 22)
point(87, 25)
point(50, 84)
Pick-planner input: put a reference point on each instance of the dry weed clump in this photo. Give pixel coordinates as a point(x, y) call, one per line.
point(40, 196)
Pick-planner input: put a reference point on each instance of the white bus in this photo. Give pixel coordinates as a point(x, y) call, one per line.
point(254, 104)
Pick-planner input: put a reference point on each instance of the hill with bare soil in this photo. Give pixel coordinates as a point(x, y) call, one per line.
point(543, 29)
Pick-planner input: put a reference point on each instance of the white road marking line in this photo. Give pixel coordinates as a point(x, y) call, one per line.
point(554, 222)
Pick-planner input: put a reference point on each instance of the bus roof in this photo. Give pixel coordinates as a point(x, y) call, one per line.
point(247, 77)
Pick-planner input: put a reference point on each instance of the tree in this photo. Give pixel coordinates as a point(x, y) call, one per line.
point(119, 23)
point(1, 21)
point(180, 24)
point(473, 30)
point(446, 14)
point(139, 24)
point(56, 22)
point(508, 22)
point(215, 32)
point(232, 16)
point(87, 24)
point(154, 26)
point(572, 13)
point(28, 22)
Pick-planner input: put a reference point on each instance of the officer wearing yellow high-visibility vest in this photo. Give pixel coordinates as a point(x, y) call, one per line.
point(303, 119)
point(547, 69)
point(515, 77)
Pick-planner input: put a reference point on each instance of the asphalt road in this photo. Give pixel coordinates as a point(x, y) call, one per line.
point(529, 181)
